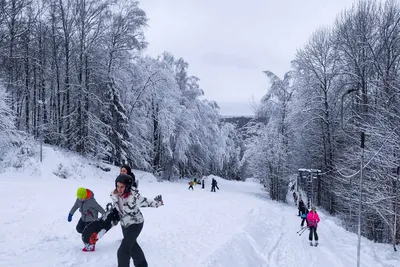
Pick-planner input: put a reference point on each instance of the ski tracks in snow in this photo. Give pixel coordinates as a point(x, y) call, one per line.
point(275, 254)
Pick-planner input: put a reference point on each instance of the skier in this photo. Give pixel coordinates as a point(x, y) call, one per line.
point(301, 206)
point(303, 214)
point(202, 184)
point(127, 200)
point(312, 221)
point(295, 198)
point(89, 209)
point(191, 185)
point(214, 185)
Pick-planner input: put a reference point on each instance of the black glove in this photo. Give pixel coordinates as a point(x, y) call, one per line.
point(114, 215)
point(158, 198)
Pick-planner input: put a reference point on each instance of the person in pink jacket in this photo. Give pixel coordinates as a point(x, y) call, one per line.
point(312, 222)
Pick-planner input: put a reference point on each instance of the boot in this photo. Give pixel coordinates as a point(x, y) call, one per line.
point(89, 248)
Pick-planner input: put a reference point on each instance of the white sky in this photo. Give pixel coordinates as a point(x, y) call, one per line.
point(229, 43)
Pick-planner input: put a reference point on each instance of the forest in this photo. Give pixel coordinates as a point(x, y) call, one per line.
point(73, 75)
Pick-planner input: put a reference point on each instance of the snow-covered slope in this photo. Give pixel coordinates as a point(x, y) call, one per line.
point(236, 226)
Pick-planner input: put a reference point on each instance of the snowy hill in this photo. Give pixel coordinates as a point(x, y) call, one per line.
point(236, 226)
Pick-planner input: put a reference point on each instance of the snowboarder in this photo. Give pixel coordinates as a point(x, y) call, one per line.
point(89, 209)
point(312, 221)
point(214, 184)
point(127, 200)
point(191, 185)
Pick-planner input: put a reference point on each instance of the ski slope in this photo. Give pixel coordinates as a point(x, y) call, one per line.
point(236, 226)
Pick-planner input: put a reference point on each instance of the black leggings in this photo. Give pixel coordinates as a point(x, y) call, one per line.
point(129, 247)
point(313, 229)
point(81, 225)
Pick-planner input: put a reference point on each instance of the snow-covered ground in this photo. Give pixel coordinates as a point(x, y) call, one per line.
point(236, 226)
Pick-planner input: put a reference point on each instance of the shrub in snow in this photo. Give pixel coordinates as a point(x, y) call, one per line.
point(25, 155)
point(62, 172)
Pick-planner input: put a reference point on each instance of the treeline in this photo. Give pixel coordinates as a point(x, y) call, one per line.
point(344, 83)
point(76, 78)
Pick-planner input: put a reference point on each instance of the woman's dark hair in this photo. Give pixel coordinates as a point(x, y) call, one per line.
point(130, 173)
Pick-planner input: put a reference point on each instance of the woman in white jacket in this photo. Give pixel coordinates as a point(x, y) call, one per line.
point(127, 200)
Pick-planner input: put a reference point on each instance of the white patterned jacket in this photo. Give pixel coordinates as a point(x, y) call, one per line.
point(128, 206)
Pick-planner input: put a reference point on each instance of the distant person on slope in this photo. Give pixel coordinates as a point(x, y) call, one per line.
point(127, 200)
point(313, 220)
point(214, 184)
point(89, 209)
point(191, 185)
point(295, 198)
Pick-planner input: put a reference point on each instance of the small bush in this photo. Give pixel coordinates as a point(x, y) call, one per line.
point(62, 172)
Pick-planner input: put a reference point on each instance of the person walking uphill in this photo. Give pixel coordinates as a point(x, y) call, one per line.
point(295, 198)
point(301, 206)
point(127, 200)
point(214, 184)
point(89, 209)
point(313, 220)
point(191, 185)
point(304, 212)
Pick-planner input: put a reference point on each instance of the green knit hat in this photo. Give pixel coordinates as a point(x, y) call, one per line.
point(81, 193)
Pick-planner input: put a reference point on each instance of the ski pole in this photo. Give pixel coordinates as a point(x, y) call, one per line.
point(303, 231)
point(300, 230)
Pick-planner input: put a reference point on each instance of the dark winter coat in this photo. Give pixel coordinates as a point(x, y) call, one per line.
point(304, 210)
point(89, 208)
point(301, 205)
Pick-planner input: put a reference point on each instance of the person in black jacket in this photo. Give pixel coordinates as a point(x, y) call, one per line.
point(301, 205)
point(303, 215)
point(214, 185)
point(126, 169)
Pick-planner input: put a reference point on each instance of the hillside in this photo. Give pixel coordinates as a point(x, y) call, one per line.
point(236, 226)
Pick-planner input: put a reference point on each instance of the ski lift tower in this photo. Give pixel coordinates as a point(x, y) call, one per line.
point(310, 179)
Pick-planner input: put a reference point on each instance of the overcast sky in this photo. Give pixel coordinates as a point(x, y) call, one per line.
point(229, 43)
